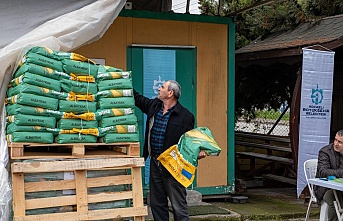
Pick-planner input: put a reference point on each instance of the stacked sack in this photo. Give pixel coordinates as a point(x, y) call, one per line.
point(118, 123)
point(55, 95)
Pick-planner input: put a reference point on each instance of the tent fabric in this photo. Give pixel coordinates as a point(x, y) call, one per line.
point(62, 25)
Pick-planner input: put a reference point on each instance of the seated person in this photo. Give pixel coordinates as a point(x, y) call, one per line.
point(330, 163)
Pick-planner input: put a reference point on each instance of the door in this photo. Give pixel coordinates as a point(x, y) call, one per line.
point(152, 66)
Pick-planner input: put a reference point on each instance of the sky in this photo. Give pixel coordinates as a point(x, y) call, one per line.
point(179, 6)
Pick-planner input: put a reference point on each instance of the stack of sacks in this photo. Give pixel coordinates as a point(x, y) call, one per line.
point(56, 94)
point(81, 87)
point(32, 97)
point(117, 121)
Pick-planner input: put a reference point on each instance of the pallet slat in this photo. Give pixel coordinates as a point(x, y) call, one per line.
point(138, 212)
point(73, 150)
point(56, 166)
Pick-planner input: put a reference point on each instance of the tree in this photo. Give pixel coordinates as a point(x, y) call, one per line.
point(258, 23)
point(321, 8)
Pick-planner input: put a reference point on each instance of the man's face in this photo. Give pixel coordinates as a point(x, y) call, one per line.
point(163, 92)
point(338, 143)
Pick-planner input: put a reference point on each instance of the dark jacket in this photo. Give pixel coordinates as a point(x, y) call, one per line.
point(180, 121)
point(329, 164)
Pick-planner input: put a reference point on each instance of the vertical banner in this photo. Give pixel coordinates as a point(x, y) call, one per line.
point(315, 107)
point(159, 66)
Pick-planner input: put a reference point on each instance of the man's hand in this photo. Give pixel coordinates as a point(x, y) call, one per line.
point(202, 154)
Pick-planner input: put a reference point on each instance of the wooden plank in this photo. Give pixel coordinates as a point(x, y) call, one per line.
point(89, 215)
point(49, 185)
point(81, 190)
point(267, 157)
point(262, 137)
point(263, 146)
point(18, 194)
point(73, 150)
point(70, 184)
point(106, 197)
point(280, 179)
point(78, 150)
point(51, 202)
point(109, 180)
point(137, 190)
point(134, 150)
point(72, 200)
point(57, 166)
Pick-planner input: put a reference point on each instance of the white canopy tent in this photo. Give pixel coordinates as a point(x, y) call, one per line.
point(60, 25)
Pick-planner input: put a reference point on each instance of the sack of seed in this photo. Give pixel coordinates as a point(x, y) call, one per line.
point(69, 124)
point(32, 89)
point(31, 120)
point(31, 137)
point(40, 70)
point(118, 102)
point(37, 80)
point(75, 138)
point(33, 100)
point(77, 107)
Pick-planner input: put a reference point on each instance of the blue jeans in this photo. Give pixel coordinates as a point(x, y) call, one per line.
point(163, 185)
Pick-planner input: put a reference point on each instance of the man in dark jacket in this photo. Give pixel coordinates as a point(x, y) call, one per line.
point(330, 163)
point(167, 121)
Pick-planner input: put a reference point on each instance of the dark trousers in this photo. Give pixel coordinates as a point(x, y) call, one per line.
point(163, 185)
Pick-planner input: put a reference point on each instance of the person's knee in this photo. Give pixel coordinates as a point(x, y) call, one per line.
point(329, 197)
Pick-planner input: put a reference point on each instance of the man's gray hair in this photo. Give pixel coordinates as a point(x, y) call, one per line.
point(340, 133)
point(175, 87)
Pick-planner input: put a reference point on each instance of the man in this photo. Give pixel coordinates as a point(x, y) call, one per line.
point(330, 163)
point(167, 121)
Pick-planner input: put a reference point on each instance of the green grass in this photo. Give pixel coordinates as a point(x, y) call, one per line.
point(271, 114)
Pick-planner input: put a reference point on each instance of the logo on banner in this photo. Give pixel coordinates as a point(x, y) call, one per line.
point(315, 110)
point(157, 84)
point(317, 95)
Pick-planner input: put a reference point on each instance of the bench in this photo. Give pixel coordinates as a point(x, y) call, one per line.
point(278, 152)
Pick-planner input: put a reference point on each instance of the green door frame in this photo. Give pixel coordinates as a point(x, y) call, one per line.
point(230, 22)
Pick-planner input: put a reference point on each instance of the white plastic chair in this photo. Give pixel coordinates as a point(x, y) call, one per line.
point(310, 169)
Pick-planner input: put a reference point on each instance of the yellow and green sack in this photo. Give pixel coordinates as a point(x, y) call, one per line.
point(37, 80)
point(77, 107)
point(31, 120)
point(79, 87)
point(11, 128)
point(69, 124)
point(180, 169)
point(40, 70)
point(79, 68)
point(75, 138)
point(116, 102)
point(32, 89)
point(33, 100)
point(32, 137)
point(181, 160)
point(114, 93)
point(59, 55)
point(113, 75)
point(41, 60)
point(15, 109)
point(121, 83)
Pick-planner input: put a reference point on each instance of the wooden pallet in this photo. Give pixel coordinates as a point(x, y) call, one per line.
point(76, 205)
point(73, 150)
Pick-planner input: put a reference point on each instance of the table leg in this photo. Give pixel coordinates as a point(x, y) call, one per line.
point(338, 207)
